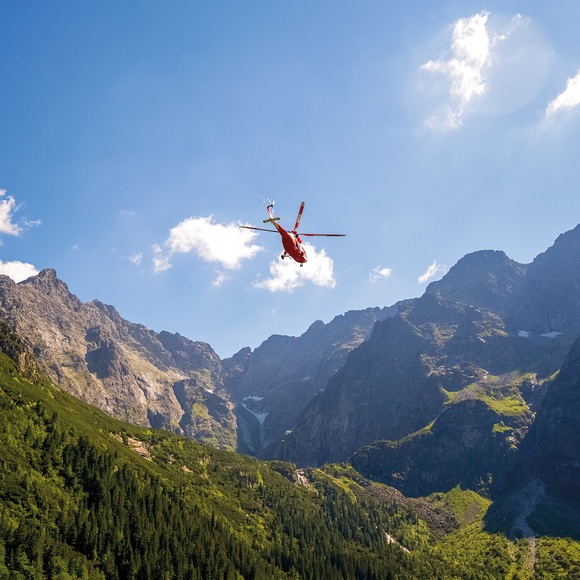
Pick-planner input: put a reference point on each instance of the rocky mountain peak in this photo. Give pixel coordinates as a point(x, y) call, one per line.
point(45, 278)
point(47, 282)
point(565, 248)
point(109, 311)
point(561, 260)
point(487, 278)
point(124, 368)
point(550, 301)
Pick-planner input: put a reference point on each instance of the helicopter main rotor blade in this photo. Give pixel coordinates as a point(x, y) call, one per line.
point(298, 216)
point(326, 235)
point(259, 229)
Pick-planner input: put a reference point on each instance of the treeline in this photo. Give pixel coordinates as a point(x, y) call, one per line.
point(76, 503)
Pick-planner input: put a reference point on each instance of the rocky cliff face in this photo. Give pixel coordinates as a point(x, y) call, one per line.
point(540, 297)
point(274, 383)
point(552, 448)
point(124, 368)
point(168, 381)
point(486, 279)
point(489, 320)
point(550, 301)
point(403, 377)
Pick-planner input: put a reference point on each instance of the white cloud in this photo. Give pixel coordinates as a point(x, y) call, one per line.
point(493, 65)
point(220, 278)
point(286, 275)
point(7, 207)
point(136, 259)
point(568, 99)
point(18, 271)
point(226, 244)
point(465, 69)
point(160, 261)
point(431, 272)
point(379, 273)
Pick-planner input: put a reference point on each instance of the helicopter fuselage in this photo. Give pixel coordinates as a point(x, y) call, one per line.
point(292, 246)
point(291, 241)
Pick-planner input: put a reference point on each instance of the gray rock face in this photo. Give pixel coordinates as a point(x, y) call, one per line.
point(487, 279)
point(400, 380)
point(552, 448)
point(541, 297)
point(168, 381)
point(278, 379)
point(121, 367)
point(551, 296)
point(467, 329)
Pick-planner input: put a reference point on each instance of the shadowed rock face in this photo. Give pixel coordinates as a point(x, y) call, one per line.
point(395, 383)
point(552, 448)
point(124, 368)
point(278, 379)
point(465, 328)
point(469, 444)
point(487, 279)
point(541, 297)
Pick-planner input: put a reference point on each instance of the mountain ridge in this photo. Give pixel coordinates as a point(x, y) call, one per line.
point(168, 381)
point(85, 495)
point(493, 332)
point(124, 368)
point(490, 336)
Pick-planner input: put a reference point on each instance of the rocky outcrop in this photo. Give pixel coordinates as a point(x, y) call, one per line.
point(489, 316)
point(276, 381)
point(470, 444)
point(121, 367)
point(552, 449)
point(550, 301)
point(486, 279)
point(541, 297)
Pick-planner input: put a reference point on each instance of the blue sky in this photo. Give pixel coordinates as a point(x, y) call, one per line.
point(135, 137)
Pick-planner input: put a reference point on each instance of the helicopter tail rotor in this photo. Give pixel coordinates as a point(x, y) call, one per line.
point(269, 207)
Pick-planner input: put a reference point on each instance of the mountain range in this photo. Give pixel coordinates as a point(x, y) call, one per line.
point(471, 383)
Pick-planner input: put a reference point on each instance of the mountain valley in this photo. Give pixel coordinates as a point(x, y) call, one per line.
point(456, 407)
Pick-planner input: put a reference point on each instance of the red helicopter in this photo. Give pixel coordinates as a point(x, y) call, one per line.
point(290, 240)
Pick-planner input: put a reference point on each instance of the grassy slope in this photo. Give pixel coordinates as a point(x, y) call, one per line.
point(80, 491)
point(165, 505)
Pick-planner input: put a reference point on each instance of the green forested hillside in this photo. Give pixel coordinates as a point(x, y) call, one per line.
point(85, 496)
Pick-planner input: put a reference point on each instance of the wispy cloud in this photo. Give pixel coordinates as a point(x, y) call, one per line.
point(568, 99)
point(7, 208)
point(287, 275)
point(431, 272)
point(18, 271)
point(136, 258)
point(225, 244)
point(379, 273)
point(492, 65)
point(465, 69)
point(220, 278)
